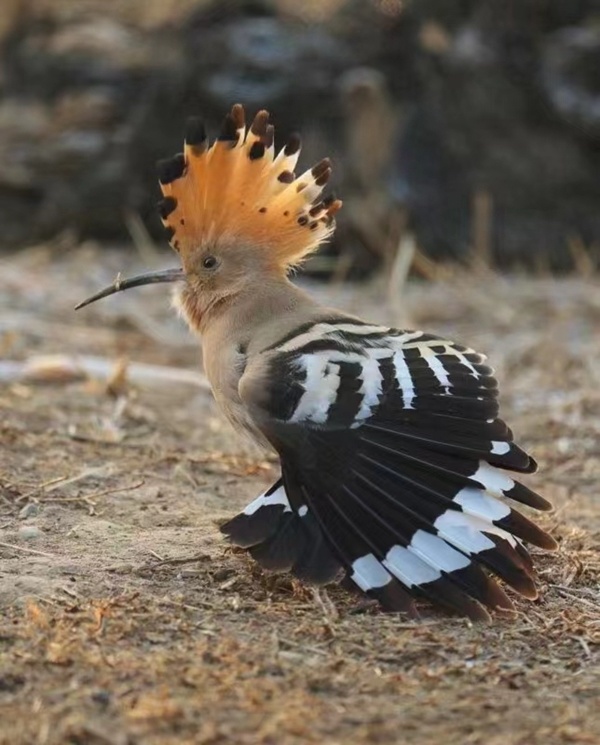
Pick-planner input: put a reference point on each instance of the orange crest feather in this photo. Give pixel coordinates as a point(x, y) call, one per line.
point(237, 190)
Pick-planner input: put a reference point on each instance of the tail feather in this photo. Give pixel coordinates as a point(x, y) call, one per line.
point(282, 536)
point(506, 561)
point(446, 470)
point(523, 528)
point(413, 569)
point(474, 530)
point(280, 552)
point(448, 595)
point(315, 563)
point(425, 494)
point(406, 511)
point(367, 533)
point(354, 551)
point(431, 519)
point(435, 438)
point(260, 519)
point(499, 484)
point(488, 546)
point(397, 528)
point(527, 561)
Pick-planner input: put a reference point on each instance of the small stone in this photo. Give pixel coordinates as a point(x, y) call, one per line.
point(31, 509)
point(29, 532)
point(101, 697)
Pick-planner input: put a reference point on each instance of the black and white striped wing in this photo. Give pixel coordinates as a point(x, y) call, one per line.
point(391, 442)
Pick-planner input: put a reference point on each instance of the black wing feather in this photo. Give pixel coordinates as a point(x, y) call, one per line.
point(392, 444)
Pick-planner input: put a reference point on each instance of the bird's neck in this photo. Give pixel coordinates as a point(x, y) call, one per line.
point(247, 315)
point(236, 331)
point(249, 322)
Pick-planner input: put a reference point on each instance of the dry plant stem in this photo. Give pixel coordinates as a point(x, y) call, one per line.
point(483, 215)
point(179, 562)
point(142, 240)
point(138, 372)
point(399, 274)
point(26, 550)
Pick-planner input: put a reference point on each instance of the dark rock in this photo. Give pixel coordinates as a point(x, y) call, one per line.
point(11, 682)
point(101, 697)
point(570, 76)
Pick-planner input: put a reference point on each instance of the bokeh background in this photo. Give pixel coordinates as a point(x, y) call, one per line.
point(472, 124)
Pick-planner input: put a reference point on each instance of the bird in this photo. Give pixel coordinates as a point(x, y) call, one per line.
point(397, 474)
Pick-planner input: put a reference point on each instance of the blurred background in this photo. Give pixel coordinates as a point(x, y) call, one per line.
point(473, 126)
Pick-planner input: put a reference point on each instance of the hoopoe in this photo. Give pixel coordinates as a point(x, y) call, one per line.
point(394, 462)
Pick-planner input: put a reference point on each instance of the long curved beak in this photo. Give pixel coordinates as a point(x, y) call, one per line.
point(167, 275)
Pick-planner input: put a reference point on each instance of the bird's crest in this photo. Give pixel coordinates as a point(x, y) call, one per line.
point(238, 190)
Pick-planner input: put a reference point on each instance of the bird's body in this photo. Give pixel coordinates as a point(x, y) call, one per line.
point(394, 461)
point(398, 490)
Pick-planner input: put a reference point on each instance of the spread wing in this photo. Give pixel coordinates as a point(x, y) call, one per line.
point(390, 443)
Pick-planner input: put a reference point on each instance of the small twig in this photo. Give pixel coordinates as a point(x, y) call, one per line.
point(482, 228)
point(341, 270)
point(114, 491)
point(141, 238)
point(73, 435)
point(87, 498)
point(584, 645)
point(400, 269)
point(27, 550)
point(322, 599)
point(71, 593)
point(179, 562)
point(578, 590)
point(68, 480)
point(291, 644)
point(44, 485)
point(582, 255)
point(564, 592)
point(61, 500)
point(185, 606)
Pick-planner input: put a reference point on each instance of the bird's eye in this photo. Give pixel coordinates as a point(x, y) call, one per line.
point(209, 262)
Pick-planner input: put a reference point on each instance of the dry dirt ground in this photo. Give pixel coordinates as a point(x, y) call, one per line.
point(124, 617)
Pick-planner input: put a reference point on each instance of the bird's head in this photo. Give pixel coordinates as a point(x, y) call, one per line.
point(236, 214)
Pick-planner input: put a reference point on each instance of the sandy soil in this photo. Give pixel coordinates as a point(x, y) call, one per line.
point(124, 618)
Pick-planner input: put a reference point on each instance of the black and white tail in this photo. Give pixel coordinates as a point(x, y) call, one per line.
point(283, 540)
point(395, 466)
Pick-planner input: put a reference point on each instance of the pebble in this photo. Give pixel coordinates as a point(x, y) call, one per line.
point(31, 509)
point(101, 697)
point(29, 532)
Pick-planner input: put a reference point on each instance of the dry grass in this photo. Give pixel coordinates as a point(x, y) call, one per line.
point(124, 618)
